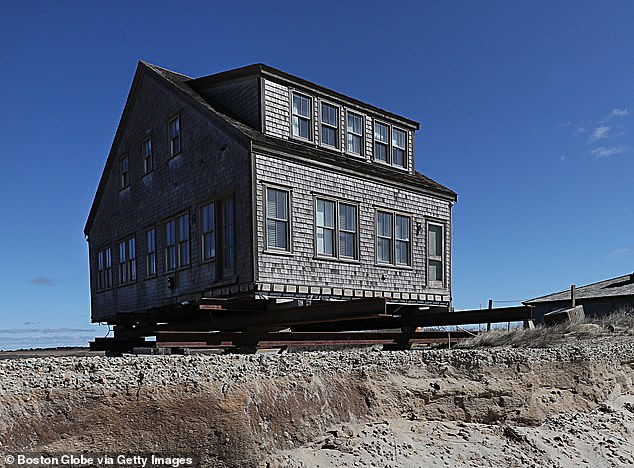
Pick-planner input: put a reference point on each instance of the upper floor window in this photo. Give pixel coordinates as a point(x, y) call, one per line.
point(329, 125)
point(174, 132)
point(127, 261)
point(398, 147)
point(104, 269)
point(354, 133)
point(301, 113)
point(393, 239)
point(435, 262)
point(381, 141)
point(336, 229)
point(124, 174)
point(277, 219)
point(177, 242)
point(148, 158)
point(208, 228)
point(150, 252)
point(390, 144)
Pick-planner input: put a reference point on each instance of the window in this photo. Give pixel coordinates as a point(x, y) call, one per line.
point(127, 261)
point(148, 159)
point(381, 141)
point(150, 248)
point(435, 269)
point(277, 219)
point(355, 133)
point(183, 240)
point(329, 125)
point(335, 229)
point(401, 240)
point(390, 150)
point(124, 175)
point(325, 222)
point(384, 237)
point(398, 147)
point(301, 111)
point(208, 227)
point(393, 240)
point(174, 132)
point(177, 242)
point(104, 269)
point(228, 248)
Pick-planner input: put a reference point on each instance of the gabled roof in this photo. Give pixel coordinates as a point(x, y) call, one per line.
point(185, 86)
point(614, 287)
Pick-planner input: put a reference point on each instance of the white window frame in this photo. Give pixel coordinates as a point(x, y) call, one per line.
point(150, 253)
point(208, 233)
point(286, 220)
point(404, 148)
point(392, 129)
point(387, 145)
point(124, 171)
point(176, 139)
point(336, 229)
point(104, 269)
point(437, 258)
point(148, 158)
point(358, 135)
point(127, 261)
point(180, 244)
point(335, 127)
point(299, 116)
point(392, 238)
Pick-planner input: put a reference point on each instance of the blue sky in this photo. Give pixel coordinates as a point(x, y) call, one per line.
point(526, 110)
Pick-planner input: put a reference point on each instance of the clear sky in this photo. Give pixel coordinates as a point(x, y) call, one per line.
point(526, 110)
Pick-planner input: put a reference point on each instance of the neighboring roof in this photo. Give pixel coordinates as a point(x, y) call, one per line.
point(184, 84)
point(260, 69)
point(614, 287)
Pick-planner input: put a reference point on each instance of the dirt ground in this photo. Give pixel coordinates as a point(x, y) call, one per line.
point(570, 405)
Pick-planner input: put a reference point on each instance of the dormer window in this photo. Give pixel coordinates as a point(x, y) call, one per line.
point(301, 116)
point(355, 133)
point(398, 147)
point(329, 125)
point(390, 144)
point(381, 141)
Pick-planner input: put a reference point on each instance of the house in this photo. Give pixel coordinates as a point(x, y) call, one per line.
point(599, 298)
point(258, 184)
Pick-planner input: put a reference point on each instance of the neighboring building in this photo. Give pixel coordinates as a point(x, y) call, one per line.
point(256, 183)
point(599, 298)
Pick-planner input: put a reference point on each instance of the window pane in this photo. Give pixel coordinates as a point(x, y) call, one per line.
point(329, 114)
point(380, 151)
point(384, 224)
point(228, 254)
point(398, 157)
point(402, 228)
point(402, 252)
point(328, 136)
point(434, 240)
point(435, 270)
point(384, 250)
point(347, 244)
point(381, 132)
point(347, 217)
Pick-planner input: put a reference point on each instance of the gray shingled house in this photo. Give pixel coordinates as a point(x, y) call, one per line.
point(259, 184)
point(599, 298)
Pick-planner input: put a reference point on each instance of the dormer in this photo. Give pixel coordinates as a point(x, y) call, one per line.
point(287, 107)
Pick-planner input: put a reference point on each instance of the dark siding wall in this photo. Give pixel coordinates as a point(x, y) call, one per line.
point(240, 99)
point(182, 183)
